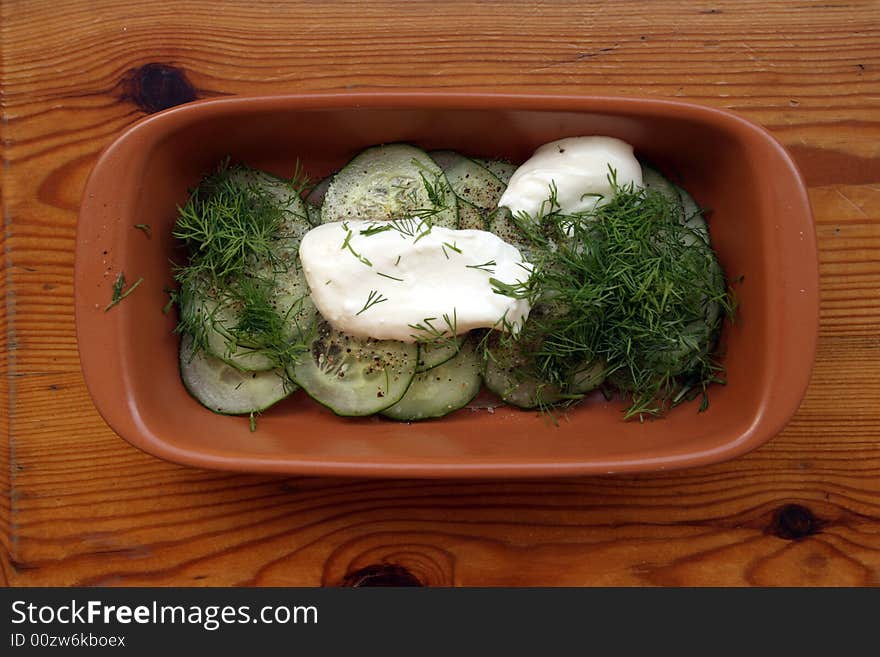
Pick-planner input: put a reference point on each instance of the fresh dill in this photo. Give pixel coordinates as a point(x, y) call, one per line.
point(236, 227)
point(447, 245)
point(172, 298)
point(145, 228)
point(373, 298)
point(427, 332)
point(376, 229)
point(624, 284)
point(393, 278)
point(227, 224)
point(485, 267)
point(346, 244)
point(119, 291)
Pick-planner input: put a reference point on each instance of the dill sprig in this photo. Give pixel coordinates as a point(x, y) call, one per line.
point(625, 284)
point(487, 267)
point(346, 244)
point(227, 224)
point(429, 334)
point(373, 298)
point(119, 291)
point(235, 231)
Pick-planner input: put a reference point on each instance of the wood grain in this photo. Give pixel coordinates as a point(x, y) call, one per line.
point(80, 506)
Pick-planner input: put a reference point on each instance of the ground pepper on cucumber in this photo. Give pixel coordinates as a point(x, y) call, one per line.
point(408, 280)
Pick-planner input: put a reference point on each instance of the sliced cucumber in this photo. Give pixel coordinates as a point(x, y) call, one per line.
point(501, 223)
point(654, 180)
point(470, 181)
point(441, 390)
point(477, 189)
point(586, 377)
point(355, 376)
point(290, 296)
point(470, 217)
point(224, 389)
point(432, 354)
point(506, 374)
point(501, 169)
point(295, 216)
point(395, 181)
point(693, 214)
point(216, 321)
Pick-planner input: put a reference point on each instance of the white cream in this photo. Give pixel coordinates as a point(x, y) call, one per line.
point(382, 283)
point(579, 167)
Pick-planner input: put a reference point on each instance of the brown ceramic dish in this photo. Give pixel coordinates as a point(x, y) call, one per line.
point(760, 222)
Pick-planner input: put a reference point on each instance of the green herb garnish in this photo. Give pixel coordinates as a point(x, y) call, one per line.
point(626, 284)
point(373, 298)
point(233, 228)
point(119, 291)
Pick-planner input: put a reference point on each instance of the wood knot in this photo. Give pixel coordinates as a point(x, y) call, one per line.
point(386, 574)
point(793, 522)
point(154, 87)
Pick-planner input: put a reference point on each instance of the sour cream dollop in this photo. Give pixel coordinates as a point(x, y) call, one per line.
point(579, 167)
point(381, 279)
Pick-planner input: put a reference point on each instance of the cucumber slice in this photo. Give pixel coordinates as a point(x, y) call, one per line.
point(506, 375)
point(654, 180)
point(478, 190)
point(224, 389)
point(216, 320)
point(501, 169)
point(588, 376)
point(295, 215)
point(432, 354)
point(693, 214)
point(355, 376)
point(501, 223)
point(470, 217)
point(470, 181)
point(394, 181)
point(441, 390)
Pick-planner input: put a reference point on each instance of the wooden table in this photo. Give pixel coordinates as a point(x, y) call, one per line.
point(80, 506)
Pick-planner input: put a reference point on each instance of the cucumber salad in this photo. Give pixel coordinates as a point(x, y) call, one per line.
point(408, 281)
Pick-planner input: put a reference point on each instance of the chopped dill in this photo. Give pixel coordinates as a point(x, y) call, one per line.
point(627, 285)
point(485, 266)
point(145, 228)
point(346, 244)
point(428, 333)
point(236, 226)
point(452, 246)
point(119, 291)
point(393, 278)
point(372, 299)
point(376, 229)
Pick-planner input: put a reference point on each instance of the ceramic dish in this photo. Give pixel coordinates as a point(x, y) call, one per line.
point(760, 222)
